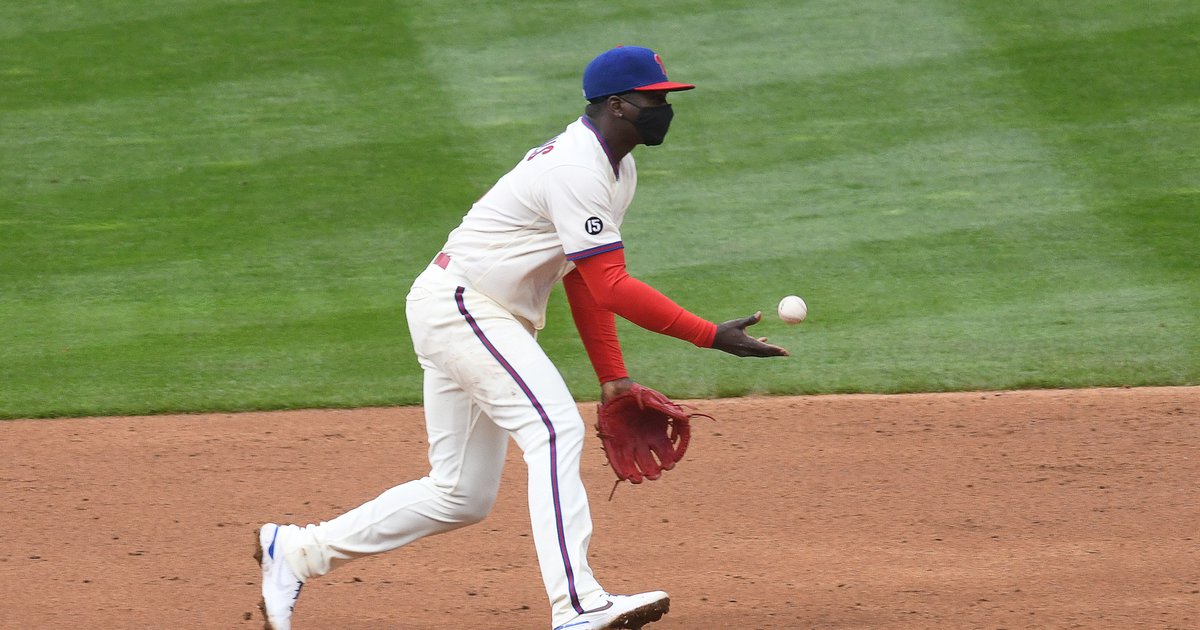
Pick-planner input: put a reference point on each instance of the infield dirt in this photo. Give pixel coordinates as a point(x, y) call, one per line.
point(1043, 509)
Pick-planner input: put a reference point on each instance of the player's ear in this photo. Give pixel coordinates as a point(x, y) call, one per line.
point(614, 105)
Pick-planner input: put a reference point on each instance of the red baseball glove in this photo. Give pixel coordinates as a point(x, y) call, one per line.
point(643, 433)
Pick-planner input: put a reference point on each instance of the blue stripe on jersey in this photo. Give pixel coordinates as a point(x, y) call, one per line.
point(592, 251)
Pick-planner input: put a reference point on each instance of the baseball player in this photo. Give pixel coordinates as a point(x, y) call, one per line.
point(474, 313)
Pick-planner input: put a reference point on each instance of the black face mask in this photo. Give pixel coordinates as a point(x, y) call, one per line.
point(652, 123)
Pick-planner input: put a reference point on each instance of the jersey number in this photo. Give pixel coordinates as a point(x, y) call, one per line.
point(593, 226)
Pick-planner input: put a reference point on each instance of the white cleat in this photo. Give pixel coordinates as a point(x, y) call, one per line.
point(280, 587)
point(622, 611)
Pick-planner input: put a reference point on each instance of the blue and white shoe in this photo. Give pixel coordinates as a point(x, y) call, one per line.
point(622, 611)
point(280, 587)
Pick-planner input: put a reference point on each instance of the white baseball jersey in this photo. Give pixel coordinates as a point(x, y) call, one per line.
point(563, 201)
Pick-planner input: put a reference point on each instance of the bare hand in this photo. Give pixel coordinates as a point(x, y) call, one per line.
point(732, 338)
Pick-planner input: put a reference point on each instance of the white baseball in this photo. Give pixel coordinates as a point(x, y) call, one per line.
point(792, 309)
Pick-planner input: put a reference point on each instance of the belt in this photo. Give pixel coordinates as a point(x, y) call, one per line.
point(442, 261)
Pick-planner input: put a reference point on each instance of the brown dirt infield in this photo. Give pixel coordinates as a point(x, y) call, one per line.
point(1045, 509)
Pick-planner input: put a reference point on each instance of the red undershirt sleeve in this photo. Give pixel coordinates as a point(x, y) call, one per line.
point(597, 328)
point(613, 289)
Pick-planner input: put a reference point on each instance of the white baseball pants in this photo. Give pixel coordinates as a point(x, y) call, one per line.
point(486, 378)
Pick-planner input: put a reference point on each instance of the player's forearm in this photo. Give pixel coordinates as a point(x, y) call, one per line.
point(597, 329)
point(615, 290)
point(645, 306)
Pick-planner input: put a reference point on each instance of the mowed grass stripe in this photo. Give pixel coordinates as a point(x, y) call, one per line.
point(234, 124)
point(1119, 108)
point(939, 184)
point(207, 44)
point(733, 54)
point(212, 370)
point(25, 19)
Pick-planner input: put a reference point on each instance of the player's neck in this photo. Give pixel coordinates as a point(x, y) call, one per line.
point(618, 134)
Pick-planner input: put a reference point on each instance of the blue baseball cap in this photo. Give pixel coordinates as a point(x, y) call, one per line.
point(627, 69)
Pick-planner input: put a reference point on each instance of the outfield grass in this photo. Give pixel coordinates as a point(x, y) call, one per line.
point(211, 205)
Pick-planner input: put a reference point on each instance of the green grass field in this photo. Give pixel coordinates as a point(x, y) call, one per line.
point(219, 205)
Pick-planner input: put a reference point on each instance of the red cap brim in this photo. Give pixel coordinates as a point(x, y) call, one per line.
point(665, 86)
